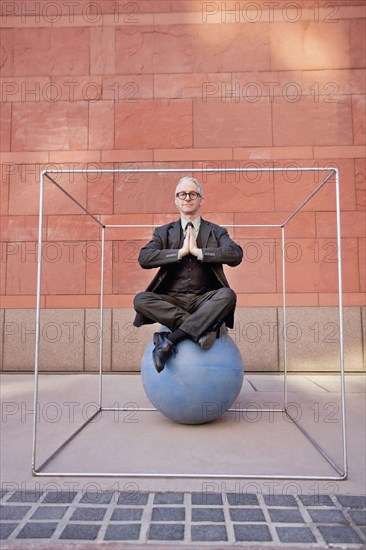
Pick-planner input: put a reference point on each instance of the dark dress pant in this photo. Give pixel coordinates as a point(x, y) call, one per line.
point(193, 313)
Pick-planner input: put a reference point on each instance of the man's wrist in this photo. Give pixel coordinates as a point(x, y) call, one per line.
point(182, 253)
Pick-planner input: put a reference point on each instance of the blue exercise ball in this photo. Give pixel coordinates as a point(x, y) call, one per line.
point(196, 386)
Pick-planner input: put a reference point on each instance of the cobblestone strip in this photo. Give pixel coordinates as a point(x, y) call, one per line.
point(106, 500)
point(229, 524)
point(354, 508)
point(146, 519)
point(312, 535)
point(267, 517)
point(196, 519)
point(187, 523)
point(20, 510)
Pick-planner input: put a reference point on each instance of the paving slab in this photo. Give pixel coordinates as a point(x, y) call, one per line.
point(295, 534)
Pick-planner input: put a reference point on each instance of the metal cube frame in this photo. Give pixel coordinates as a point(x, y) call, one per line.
point(340, 472)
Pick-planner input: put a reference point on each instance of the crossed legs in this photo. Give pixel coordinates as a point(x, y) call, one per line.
point(194, 314)
point(186, 315)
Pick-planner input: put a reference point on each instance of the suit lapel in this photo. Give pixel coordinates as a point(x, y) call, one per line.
point(204, 233)
point(174, 234)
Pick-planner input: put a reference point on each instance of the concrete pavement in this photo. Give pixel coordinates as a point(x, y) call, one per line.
point(197, 510)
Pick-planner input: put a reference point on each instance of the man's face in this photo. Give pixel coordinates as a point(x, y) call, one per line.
point(188, 206)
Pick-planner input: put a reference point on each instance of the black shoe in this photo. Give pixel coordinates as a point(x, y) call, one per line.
point(158, 337)
point(207, 340)
point(162, 350)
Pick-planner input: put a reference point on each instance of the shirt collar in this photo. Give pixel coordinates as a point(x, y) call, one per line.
point(196, 223)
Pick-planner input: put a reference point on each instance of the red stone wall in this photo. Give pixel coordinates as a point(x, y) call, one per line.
point(181, 83)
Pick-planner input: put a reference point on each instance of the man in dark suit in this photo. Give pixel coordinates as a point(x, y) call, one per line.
point(190, 293)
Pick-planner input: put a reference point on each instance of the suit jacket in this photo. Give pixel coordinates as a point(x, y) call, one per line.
point(162, 251)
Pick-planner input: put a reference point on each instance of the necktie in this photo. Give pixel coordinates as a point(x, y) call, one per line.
point(189, 224)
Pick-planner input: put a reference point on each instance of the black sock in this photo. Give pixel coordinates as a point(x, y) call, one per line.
point(177, 336)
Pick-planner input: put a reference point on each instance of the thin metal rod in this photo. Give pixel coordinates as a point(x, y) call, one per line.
point(341, 339)
point(101, 341)
point(150, 409)
point(68, 440)
point(39, 472)
point(284, 316)
point(310, 196)
point(235, 225)
point(174, 475)
point(38, 331)
point(314, 443)
point(202, 475)
point(129, 409)
point(178, 170)
point(72, 198)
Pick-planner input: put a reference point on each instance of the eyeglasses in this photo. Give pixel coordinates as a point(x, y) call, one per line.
point(183, 195)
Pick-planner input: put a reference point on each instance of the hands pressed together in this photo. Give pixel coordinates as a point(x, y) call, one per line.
point(189, 245)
